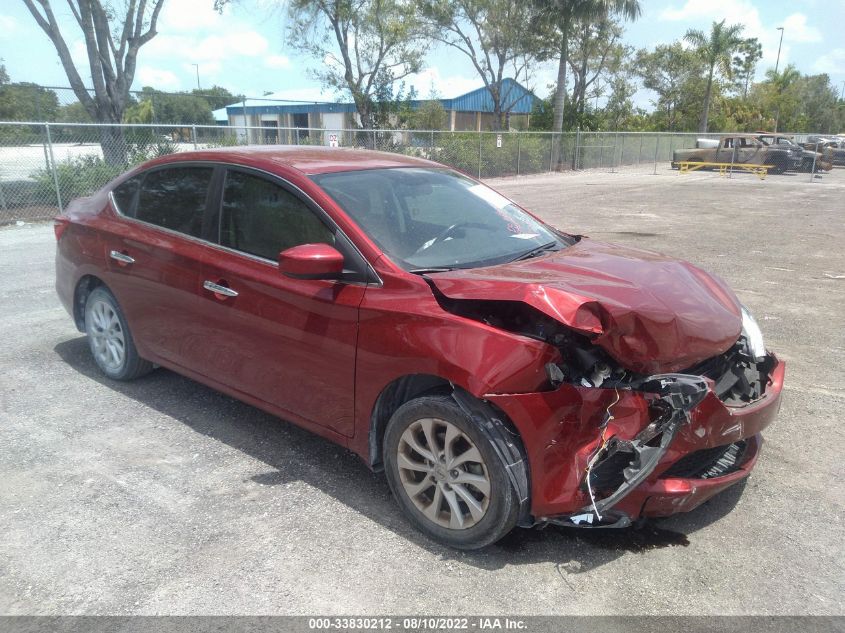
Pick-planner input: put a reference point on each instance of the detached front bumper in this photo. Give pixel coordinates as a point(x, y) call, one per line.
point(562, 430)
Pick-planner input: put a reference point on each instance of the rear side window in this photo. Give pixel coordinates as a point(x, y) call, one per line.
point(175, 198)
point(261, 218)
point(124, 196)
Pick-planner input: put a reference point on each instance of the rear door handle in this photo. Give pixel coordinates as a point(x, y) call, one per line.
point(218, 289)
point(123, 258)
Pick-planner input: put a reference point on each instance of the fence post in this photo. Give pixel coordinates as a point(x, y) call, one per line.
point(813, 168)
point(2, 198)
point(194, 135)
point(479, 155)
point(733, 158)
point(656, 150)
point(297, 136)
point(575, 154)
point(613, 158)
point(53, 167)
point(640, 154)
point(552, 153)
point(518, 150)
point(431, 147)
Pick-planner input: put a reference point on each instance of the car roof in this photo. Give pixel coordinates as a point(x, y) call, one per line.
point(308, 159)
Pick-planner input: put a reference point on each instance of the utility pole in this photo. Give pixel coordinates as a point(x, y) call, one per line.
point(197, 67)
point(777, 63)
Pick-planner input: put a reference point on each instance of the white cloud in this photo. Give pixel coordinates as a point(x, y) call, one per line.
point(832, 62)
point(157, 78)
point(8, 24)
point(699, 12)
point(796, 29)
point(212, 48)
point(191, 16)
point(446, 87)
point(277, 62)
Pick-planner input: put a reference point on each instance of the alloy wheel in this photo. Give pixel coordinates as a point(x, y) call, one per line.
point(109, 342)
point(443, 473)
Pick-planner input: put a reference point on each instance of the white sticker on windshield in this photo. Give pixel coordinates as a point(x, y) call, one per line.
point(525, 236)
point(488, 195)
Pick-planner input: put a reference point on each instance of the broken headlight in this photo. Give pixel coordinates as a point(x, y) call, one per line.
point(753, 335)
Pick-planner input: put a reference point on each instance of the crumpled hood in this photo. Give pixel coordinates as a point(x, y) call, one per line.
point(649, 312)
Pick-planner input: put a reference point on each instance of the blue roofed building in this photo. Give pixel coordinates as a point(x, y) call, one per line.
point(472, 111)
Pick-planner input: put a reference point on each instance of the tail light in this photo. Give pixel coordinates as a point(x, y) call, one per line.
point(60, 223)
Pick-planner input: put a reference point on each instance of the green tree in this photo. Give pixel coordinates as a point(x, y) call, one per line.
point(4, 76)
point(715, 49)
point(357, 43)
point(673, 73)
point(748, 53)
point(217, 96)
point(113, 37)
point(23, 101)
point(497, 36)
point(429, 114)
point(596, 56)
point(558, 18)
point(782, 93)
point(178, 108)
point(73, 113)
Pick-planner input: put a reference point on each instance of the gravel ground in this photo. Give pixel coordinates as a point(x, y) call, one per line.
point(163, 496)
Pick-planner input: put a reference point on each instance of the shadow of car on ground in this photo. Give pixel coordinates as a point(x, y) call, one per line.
point(294, 454)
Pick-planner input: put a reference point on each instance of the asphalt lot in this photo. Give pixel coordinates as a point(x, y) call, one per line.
point(163, 496)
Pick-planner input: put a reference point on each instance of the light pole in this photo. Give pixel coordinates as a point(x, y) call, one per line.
point(777, 62)
point(197, 66)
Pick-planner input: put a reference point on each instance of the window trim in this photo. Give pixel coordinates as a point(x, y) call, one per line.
point(214, 205)
point(360, 272)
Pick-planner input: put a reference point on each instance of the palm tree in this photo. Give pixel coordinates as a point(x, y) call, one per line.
point(716, 50)
point(781, 81)
point(563, 13)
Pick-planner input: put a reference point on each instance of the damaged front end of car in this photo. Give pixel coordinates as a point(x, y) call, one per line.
point(607, 444)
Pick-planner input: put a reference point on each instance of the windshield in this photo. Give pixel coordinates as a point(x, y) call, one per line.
point(429, 219)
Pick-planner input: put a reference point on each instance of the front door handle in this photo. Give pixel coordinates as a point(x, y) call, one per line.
point(218, 289)
point(123, 258)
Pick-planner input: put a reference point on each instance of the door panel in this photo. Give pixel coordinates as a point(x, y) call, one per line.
point(159, 291)
point(154, 263)
point(288, 342)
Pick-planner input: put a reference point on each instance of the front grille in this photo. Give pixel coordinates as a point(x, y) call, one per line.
point(709, 462)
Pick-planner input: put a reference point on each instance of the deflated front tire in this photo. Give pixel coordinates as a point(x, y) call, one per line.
point(446, 475)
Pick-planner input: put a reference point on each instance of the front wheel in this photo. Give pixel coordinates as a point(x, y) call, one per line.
point(446, 474)
point(110, 339)
point(779, 165)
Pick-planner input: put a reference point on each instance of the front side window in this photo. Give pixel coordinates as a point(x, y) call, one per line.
point(261, 218)
point(434, 218)
point(175, 198)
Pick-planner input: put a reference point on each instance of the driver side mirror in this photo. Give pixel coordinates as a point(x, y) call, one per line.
point(311, 261)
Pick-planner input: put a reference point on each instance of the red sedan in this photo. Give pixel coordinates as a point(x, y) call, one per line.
point(501, 372)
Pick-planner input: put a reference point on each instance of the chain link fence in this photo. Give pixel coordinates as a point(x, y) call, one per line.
point(45, 165)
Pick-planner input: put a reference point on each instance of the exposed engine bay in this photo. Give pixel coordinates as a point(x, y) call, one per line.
point(616, 465)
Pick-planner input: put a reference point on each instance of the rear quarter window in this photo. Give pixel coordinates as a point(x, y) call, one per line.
point(125, 196)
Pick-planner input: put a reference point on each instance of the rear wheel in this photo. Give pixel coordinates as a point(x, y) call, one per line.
point(446, 474)
point(110, 339)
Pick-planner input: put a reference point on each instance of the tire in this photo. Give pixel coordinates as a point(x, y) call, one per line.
point(779, 163)
point(476, 502)
point(109, 338)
